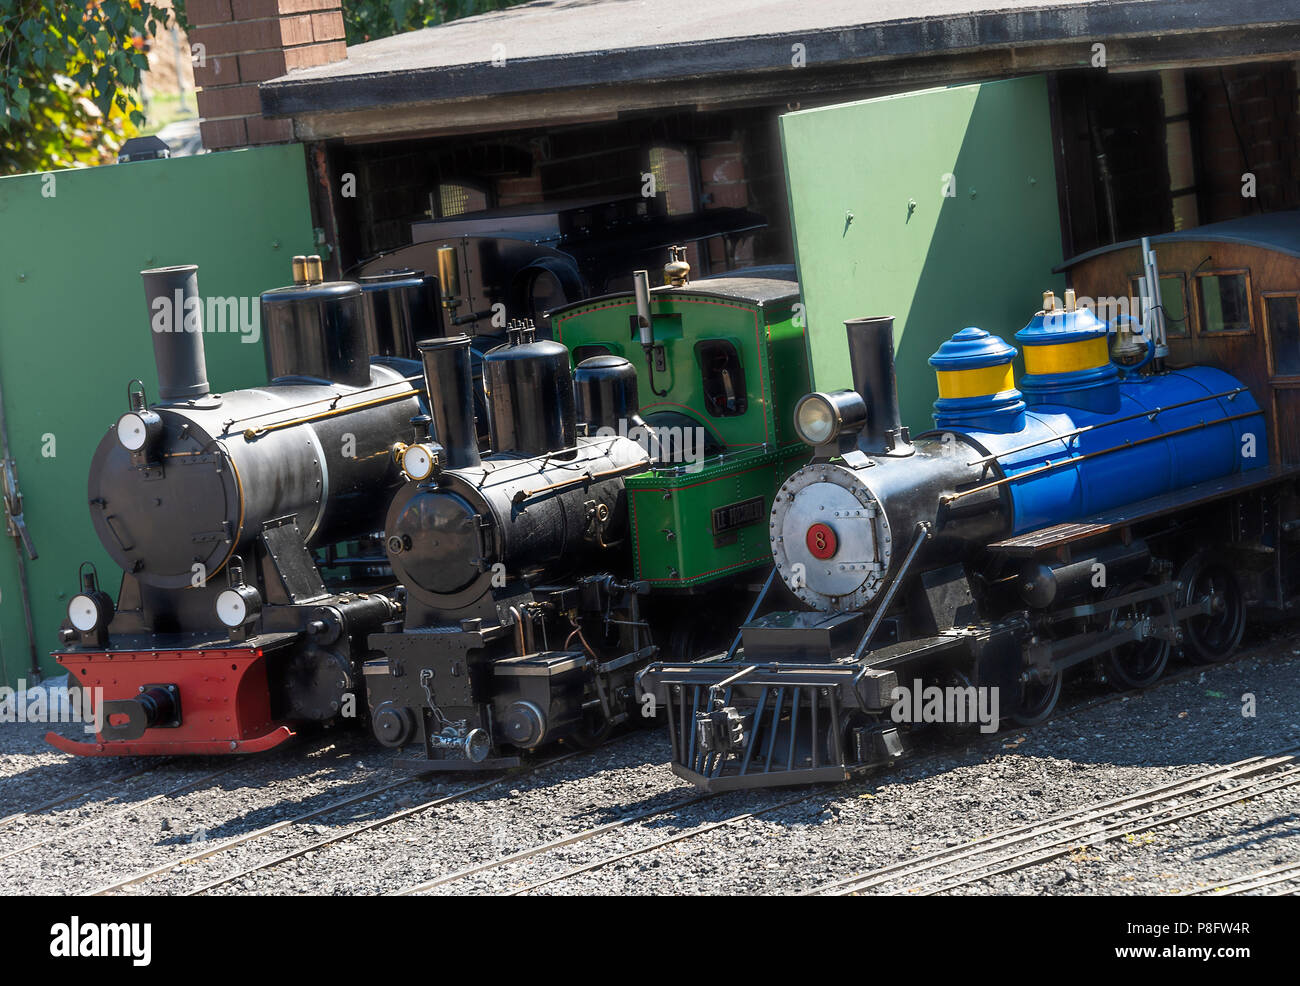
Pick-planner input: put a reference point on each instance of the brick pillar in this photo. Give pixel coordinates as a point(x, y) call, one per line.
point(249, 41)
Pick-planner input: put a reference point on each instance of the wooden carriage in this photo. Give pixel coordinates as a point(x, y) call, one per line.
point(1231, 296)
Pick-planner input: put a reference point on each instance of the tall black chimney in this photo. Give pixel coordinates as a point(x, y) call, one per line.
point(871, 360)
point(449, 380)
point(176, 323)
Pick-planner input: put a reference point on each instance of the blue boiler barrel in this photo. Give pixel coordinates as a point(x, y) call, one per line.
point(1152, 454)
point(1075, 455)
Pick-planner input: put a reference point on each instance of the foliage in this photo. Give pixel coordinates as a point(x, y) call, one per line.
point(69, 68)
point(67, 72)
point(368, 20)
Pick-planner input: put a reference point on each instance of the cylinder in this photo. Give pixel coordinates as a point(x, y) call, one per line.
point(316, 331)
point(1043, 585)
point(871, 361)
point(176, 318)
point(530, 397)
point(400, 308)
point(448, 378)
point(606, 393)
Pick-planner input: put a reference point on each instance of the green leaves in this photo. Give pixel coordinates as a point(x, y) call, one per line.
point(366, 20)
point(66, 68)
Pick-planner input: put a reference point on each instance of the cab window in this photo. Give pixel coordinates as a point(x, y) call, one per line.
point(723, 378)
point(1224, 300)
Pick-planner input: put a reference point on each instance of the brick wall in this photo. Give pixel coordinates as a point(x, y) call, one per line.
point(249, 41)
point(1245, 120)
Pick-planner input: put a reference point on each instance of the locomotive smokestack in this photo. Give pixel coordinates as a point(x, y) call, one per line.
point(871, 359)
point(176, 321)
point(449, 381)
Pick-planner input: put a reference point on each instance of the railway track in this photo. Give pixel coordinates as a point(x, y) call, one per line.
point(997, 739)
point(226, 845)
point(1059, 835)
point(1066, 841)
point(131, 806)
point(1286, 877)
point(378, 823)
point(55, 802)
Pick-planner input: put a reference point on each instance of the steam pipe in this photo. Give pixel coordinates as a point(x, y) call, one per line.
point(176, 318)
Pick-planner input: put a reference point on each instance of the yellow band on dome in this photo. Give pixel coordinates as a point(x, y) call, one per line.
point(1067, 357)
point(979, 382)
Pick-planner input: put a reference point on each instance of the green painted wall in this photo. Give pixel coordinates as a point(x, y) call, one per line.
point(981, 256)
point(73, 327)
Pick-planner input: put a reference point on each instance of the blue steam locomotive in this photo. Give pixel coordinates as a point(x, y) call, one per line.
point(1104, 511)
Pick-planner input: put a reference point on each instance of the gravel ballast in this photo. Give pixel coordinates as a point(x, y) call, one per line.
point(128, 816)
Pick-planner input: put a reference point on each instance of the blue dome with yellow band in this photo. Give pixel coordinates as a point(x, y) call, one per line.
point(1067, 359)
point(977, 383)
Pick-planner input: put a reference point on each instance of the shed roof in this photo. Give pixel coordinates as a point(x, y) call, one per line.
point(1277, 231)
point(629, 47)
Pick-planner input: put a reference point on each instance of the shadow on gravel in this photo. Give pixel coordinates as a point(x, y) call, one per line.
point(120, 782)
point(1260, 834)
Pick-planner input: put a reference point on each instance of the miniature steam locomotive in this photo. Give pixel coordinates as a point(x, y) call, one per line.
point(537, 581)
point(539, 524)
point(224, 636)
point(1101, 511)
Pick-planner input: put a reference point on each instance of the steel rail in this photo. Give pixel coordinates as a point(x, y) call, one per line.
point(1273, 875)
point(54, 803)
point(120, 808)
point(1121, 827)
point(386, 820)
point(240, 840)
point(897, 872)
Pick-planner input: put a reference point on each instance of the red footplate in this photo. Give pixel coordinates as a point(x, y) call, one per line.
point(224, 701)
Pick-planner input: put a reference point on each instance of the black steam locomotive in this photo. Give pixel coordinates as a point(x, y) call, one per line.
point(518, 628)
point(225, 636)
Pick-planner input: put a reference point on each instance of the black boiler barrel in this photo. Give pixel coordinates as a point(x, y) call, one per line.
point(176, 323)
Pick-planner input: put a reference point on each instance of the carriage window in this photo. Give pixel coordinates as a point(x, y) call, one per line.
point(723, 377)
point(1282, 312)
point(1225, 302)
point(1173, 300)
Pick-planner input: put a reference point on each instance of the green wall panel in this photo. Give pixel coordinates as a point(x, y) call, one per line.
point(74, 331)
point(936, 262)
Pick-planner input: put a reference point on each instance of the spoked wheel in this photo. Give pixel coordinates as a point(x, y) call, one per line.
point(592, 731)
point(1037, 700)
point(1211, 637)
point(1137, 663)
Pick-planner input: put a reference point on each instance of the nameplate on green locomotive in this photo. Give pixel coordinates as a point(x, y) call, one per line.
point(733, 515)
